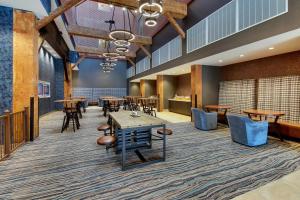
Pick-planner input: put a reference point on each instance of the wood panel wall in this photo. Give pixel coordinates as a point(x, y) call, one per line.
point(183, 85)
point(280, 65)
point(196, 85)
point(68, 83)
point(142, 88)
point(25, 63)
point(160, 92)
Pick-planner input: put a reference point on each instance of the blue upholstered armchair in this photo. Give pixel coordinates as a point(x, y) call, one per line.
point(247, 132)
point(205, 121)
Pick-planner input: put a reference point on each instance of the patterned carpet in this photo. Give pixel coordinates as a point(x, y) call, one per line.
point(200, 165)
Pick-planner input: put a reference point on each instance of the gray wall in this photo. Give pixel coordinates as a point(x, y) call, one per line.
point(134, 89)
point(90, 75)
point(150, 88)
point(169, 84)
point(210, 85)
point(50, 70)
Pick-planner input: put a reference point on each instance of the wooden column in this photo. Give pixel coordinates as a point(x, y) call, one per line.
point(196, 85)
point(25, 64)
point(160, 92)
point(68, 83)
point(142, 88)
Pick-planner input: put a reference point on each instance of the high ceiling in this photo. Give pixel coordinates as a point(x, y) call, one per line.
point(93, 15)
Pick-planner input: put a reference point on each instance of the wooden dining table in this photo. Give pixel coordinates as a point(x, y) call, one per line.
point(135, 133)
point(265, 115)
point(216, 108)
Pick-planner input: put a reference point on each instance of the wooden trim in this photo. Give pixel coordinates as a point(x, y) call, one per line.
point(175, 24)
point(131, 62)
point(145, 51)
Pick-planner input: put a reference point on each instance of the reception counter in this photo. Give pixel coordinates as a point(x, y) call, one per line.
point(180, 106)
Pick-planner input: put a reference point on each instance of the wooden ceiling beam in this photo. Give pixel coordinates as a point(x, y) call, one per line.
point(101, 34)
point(175, 24)
point(95, 56)
point(96, 51)
point(82, 57)
point(131, 62)
point(145, 51)
point(177, 9)
point(57, 12)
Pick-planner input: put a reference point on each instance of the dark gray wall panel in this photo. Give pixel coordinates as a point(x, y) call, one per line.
point(210, 85)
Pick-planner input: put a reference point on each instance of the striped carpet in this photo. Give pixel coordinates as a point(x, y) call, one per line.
point(200, 165)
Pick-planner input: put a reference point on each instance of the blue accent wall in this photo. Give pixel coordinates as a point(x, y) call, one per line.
point(59, 81)
point(47, 5)
point(51, 70)
point(6, 58)
point(90, 75)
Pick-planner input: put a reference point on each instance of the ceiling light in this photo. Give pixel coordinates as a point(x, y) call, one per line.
point(122, 43)
point(150, 21)
point(111, 5)
point(242, 55)
point(220, 61)
point(124, 8)
point(271, 48)
point(111, 54)
point(108, 64)
point(150, 8)
point(122, 49)
point(121, 35)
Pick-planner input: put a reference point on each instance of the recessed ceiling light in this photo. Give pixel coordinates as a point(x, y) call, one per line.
point(271, 48)
point(220, 61)
point(242, 55)
point(111, 5)
point(124, 8)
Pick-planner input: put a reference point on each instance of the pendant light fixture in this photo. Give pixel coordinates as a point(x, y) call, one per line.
point(122, 37)
point(151, 10)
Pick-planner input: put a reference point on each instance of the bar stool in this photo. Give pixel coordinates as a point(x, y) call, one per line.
point(104, 128)
point(108, 141)
point(167, 131)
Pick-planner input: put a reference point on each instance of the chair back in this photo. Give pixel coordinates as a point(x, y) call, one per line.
point(237, 125)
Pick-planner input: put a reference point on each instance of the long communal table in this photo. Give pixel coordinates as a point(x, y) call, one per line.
point(135, 133)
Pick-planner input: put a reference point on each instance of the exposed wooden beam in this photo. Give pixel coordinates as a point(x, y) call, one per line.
point(101, 34)
point(145, 51)
point(131, 62)
point(177, 9)
point(79, 61)
point(175, 24)
point(99, 56)
point(96, 51)
point(57, 12)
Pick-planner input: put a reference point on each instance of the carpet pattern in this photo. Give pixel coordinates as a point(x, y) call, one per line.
point(200, 165)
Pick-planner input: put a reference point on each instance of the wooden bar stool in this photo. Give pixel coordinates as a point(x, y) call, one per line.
point(167, 131)
point(104, 128)
point(108, 141)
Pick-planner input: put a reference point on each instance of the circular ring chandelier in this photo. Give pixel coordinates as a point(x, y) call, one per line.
point(106, 71)
point(119, 36)
point(150, 21)
point(150, 8)
point(111, 59)
point(111, 55)
point(122, 49)
point(122, 43)
point(108, 64)
point(108, 68)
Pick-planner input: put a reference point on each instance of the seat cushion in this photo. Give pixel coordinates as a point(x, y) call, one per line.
point(103, 127)
point(168, 131)
point(106, 140)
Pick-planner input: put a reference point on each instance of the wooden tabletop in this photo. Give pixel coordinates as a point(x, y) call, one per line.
point(124, 120)
point(217, 107)
point(263, 112)
point(113, 99)
point(67, 100)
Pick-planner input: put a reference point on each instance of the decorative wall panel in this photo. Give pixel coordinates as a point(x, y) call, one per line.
point(6, 58)
point(239, 94)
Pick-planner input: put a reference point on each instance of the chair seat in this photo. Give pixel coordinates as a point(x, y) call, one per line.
point(106, 140)
point(103, 127)
point(168, 131)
